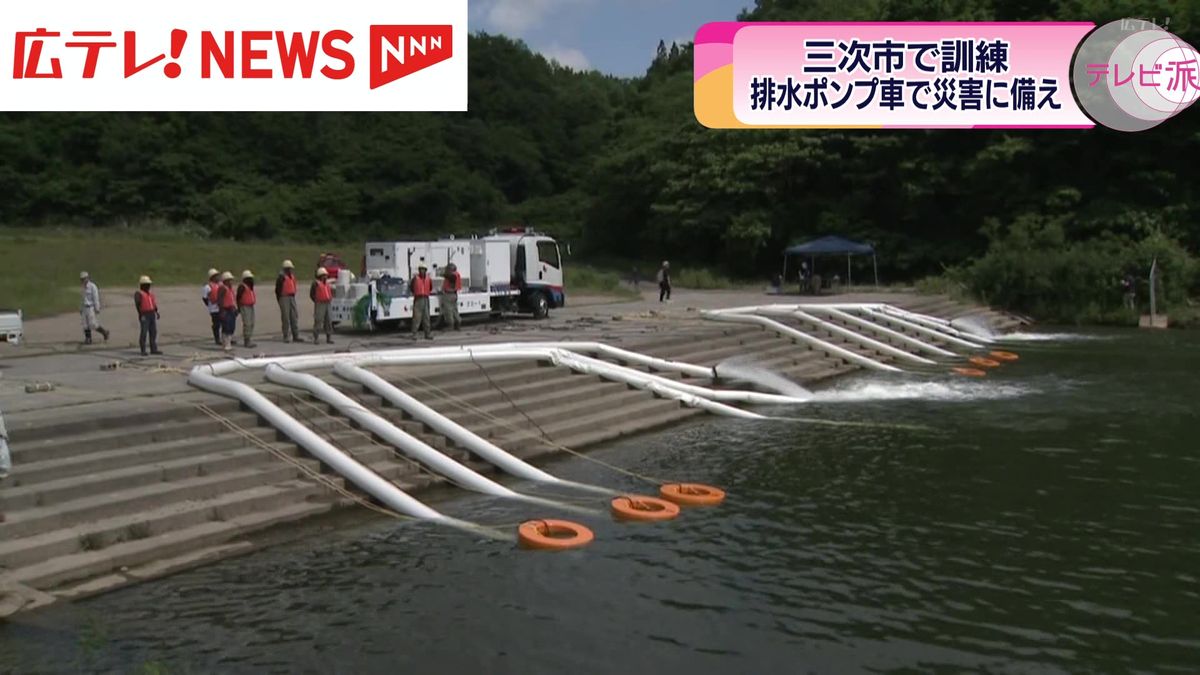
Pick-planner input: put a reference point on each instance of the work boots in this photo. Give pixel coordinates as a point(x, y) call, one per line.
point(87, 337)
point(249, 344)
point(104, 332)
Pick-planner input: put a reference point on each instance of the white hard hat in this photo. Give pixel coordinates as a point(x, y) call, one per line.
point(144, 280)
point(227, 276)
point(287, 265)
point(83, 275)
point(322, 272)
point(421, 264)
point(247, 275)
point(212, 273)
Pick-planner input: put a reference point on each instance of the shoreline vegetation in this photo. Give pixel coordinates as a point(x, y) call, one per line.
point(1031, 271)
point(617, 168)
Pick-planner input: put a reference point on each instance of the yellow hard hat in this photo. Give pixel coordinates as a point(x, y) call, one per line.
point(247, 275)
point(287, 265)
point(144, 280)
point(227, 276)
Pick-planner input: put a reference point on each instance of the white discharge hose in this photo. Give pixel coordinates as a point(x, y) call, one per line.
point(369, 481)
point(852, 336)
point(454, 431)
point(881, 330)
point(852, 357)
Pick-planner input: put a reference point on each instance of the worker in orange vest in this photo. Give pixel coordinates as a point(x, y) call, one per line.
point(209, 294)
point(321, 294)
point(246, 300)
point(227, 303)
point(285, 293)
point(451, 285)
point(422, 288)
point(148, 316)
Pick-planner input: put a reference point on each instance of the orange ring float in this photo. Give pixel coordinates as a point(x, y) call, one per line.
point(553, 535)
point(692, 494)
point(635, 507)
point(1004, 356)
point(969, 372)
point(984, 362)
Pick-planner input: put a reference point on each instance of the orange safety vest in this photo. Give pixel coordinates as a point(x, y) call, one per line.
point(324, 292)
point(226, 298)
point(289, 285)
point(422, 287)
point(452, 282)
point(247, 295)
point(146, 303)
point(213, 289)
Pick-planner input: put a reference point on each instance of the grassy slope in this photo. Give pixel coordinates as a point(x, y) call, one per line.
point(40, 268)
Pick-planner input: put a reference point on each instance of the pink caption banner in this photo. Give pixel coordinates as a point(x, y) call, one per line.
point(888, 75)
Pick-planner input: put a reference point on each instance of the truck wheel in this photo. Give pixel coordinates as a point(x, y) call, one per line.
point(540, 305)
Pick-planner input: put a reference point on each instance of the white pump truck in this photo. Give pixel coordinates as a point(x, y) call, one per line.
point(515, 270)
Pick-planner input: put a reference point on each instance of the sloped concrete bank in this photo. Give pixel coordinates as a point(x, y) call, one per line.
point(119, 491)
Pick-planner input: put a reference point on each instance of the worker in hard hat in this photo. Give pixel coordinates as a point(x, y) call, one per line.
point(246, 299)
point(321, 294)
point(664, 281)
point(89, 309)
point(448, 301)
point(227, 304)
point(209, 294)
point(148, 316)
point(422, 288)
point(285, 293)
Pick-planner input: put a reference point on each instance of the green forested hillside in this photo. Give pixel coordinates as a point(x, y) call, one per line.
point(621, 169)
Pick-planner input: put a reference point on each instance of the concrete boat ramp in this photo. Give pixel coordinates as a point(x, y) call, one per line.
point(123, 474)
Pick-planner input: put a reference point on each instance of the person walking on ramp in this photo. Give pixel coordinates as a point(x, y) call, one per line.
point(285, 293)
point(664, 281)
point(246, 299)
point(451, 285)
point(89, 309)
point(422, 288)
point(321, 294)
point(148, 316)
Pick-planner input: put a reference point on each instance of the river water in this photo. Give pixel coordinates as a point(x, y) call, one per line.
point(1045, 519)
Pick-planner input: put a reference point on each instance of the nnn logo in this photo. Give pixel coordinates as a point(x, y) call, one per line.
point(399, 51)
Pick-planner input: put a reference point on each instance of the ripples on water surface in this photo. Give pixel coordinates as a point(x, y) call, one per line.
point(1044, 519)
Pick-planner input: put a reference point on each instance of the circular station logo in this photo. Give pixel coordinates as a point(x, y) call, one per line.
point(1131, 75)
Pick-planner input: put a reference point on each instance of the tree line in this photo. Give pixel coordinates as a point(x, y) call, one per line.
point(621, 168)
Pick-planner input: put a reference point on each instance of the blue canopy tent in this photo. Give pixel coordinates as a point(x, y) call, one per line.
point(827, 246)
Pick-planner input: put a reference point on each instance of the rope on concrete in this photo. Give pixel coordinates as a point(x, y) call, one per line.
point(303, 468)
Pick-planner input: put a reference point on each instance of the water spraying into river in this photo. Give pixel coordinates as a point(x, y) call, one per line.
point(743, 369)
point(974, 326)
point(935, 390)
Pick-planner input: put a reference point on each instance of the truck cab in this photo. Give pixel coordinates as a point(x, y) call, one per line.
point(537, 270)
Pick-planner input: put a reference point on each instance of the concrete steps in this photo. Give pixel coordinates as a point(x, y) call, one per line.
point(86, 564)
point(100, 534)
point(100, 489)
point(129, 499)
